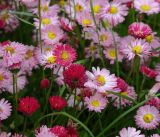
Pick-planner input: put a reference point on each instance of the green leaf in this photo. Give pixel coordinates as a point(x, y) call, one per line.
point(25, 21)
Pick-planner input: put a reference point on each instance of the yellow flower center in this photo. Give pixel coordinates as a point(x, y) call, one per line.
point(95, 103)
point(29, 54)
point(47, 49)
point(51, 59)
point(45, 8)
point(78, 8)
point(78, 98)
point(124, 93)
point(137, 49)
point(113, 10)
point(145, 7)
point(65, 55)
point(149, 38)
point(62, 3)
point(86, 22)
point(46, 21)
point(148, 118)
point(1, 77)
point(103, 37)
point(10, 49)
point(5, 16)
point(51, 35)
point(112, 53)
point(101, 80)
point(96, 8)
point(92, 48)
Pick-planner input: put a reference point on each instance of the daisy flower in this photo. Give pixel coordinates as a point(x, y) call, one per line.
point(52, 34)
point(48, 60)
point(114, 12)
point(147, 117)
point(18, 135)
point(130, 132)
point(147, 6)
point(96, 102)
point(58, 70)
point(74, 76)
point(44, 131)
point(5, 109)
point(139, 30)
point(46, 21)
point(13, 53)
point(5, 134)
point(110, 53)
point(30, 3)
point(85, 19)
point(66, 24)
point(59, 131)
point(65, 55)
point(105, 37)
point(138, 47)
point(154, 102)
point(100, 80)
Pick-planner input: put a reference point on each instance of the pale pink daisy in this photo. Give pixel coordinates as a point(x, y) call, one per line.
point(85, 19)
point(48, 59)
point(66, 24)
point(30, 62)
point(139, 30)
point(104, 37)
point(88, 32)
point(110, 53)
point(65, 54)
point(129, 92)
point(18, 135)
point(13, 53)
point(100, 80)
point(138, 47)
point(96, 102)
point(147, 117)
point(52, 34)
point(44, 131)
point(147, 6)
point(114, 12)
point(75, 7)
point(154, 89)
point(155, 135)
point(5, 109)
point(46, 21)
point(130, 132)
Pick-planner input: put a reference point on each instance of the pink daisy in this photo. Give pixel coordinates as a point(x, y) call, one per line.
point(105, 37)
point(100, 80)
point(5, 109)
point(139, 30)
point(130, 132)
point(114, 12)
point(30, 3)
point(65, 54)
point(5, 134)
point(147, 117)
point(154, 89)
point(96, 102)
point(18, 135)
point(66, 24)
point(138, 47)
point(46, 21)
point(44, 131)
point(147, 6)
point(13, 53)
point(48, 59)
point(52, 34)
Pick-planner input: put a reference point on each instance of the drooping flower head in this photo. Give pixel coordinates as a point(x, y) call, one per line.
point(148, 72)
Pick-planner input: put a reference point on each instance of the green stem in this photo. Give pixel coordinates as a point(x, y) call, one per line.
point(40, 23)
point(122, 116)
point(69, 116)
point(24, 127)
